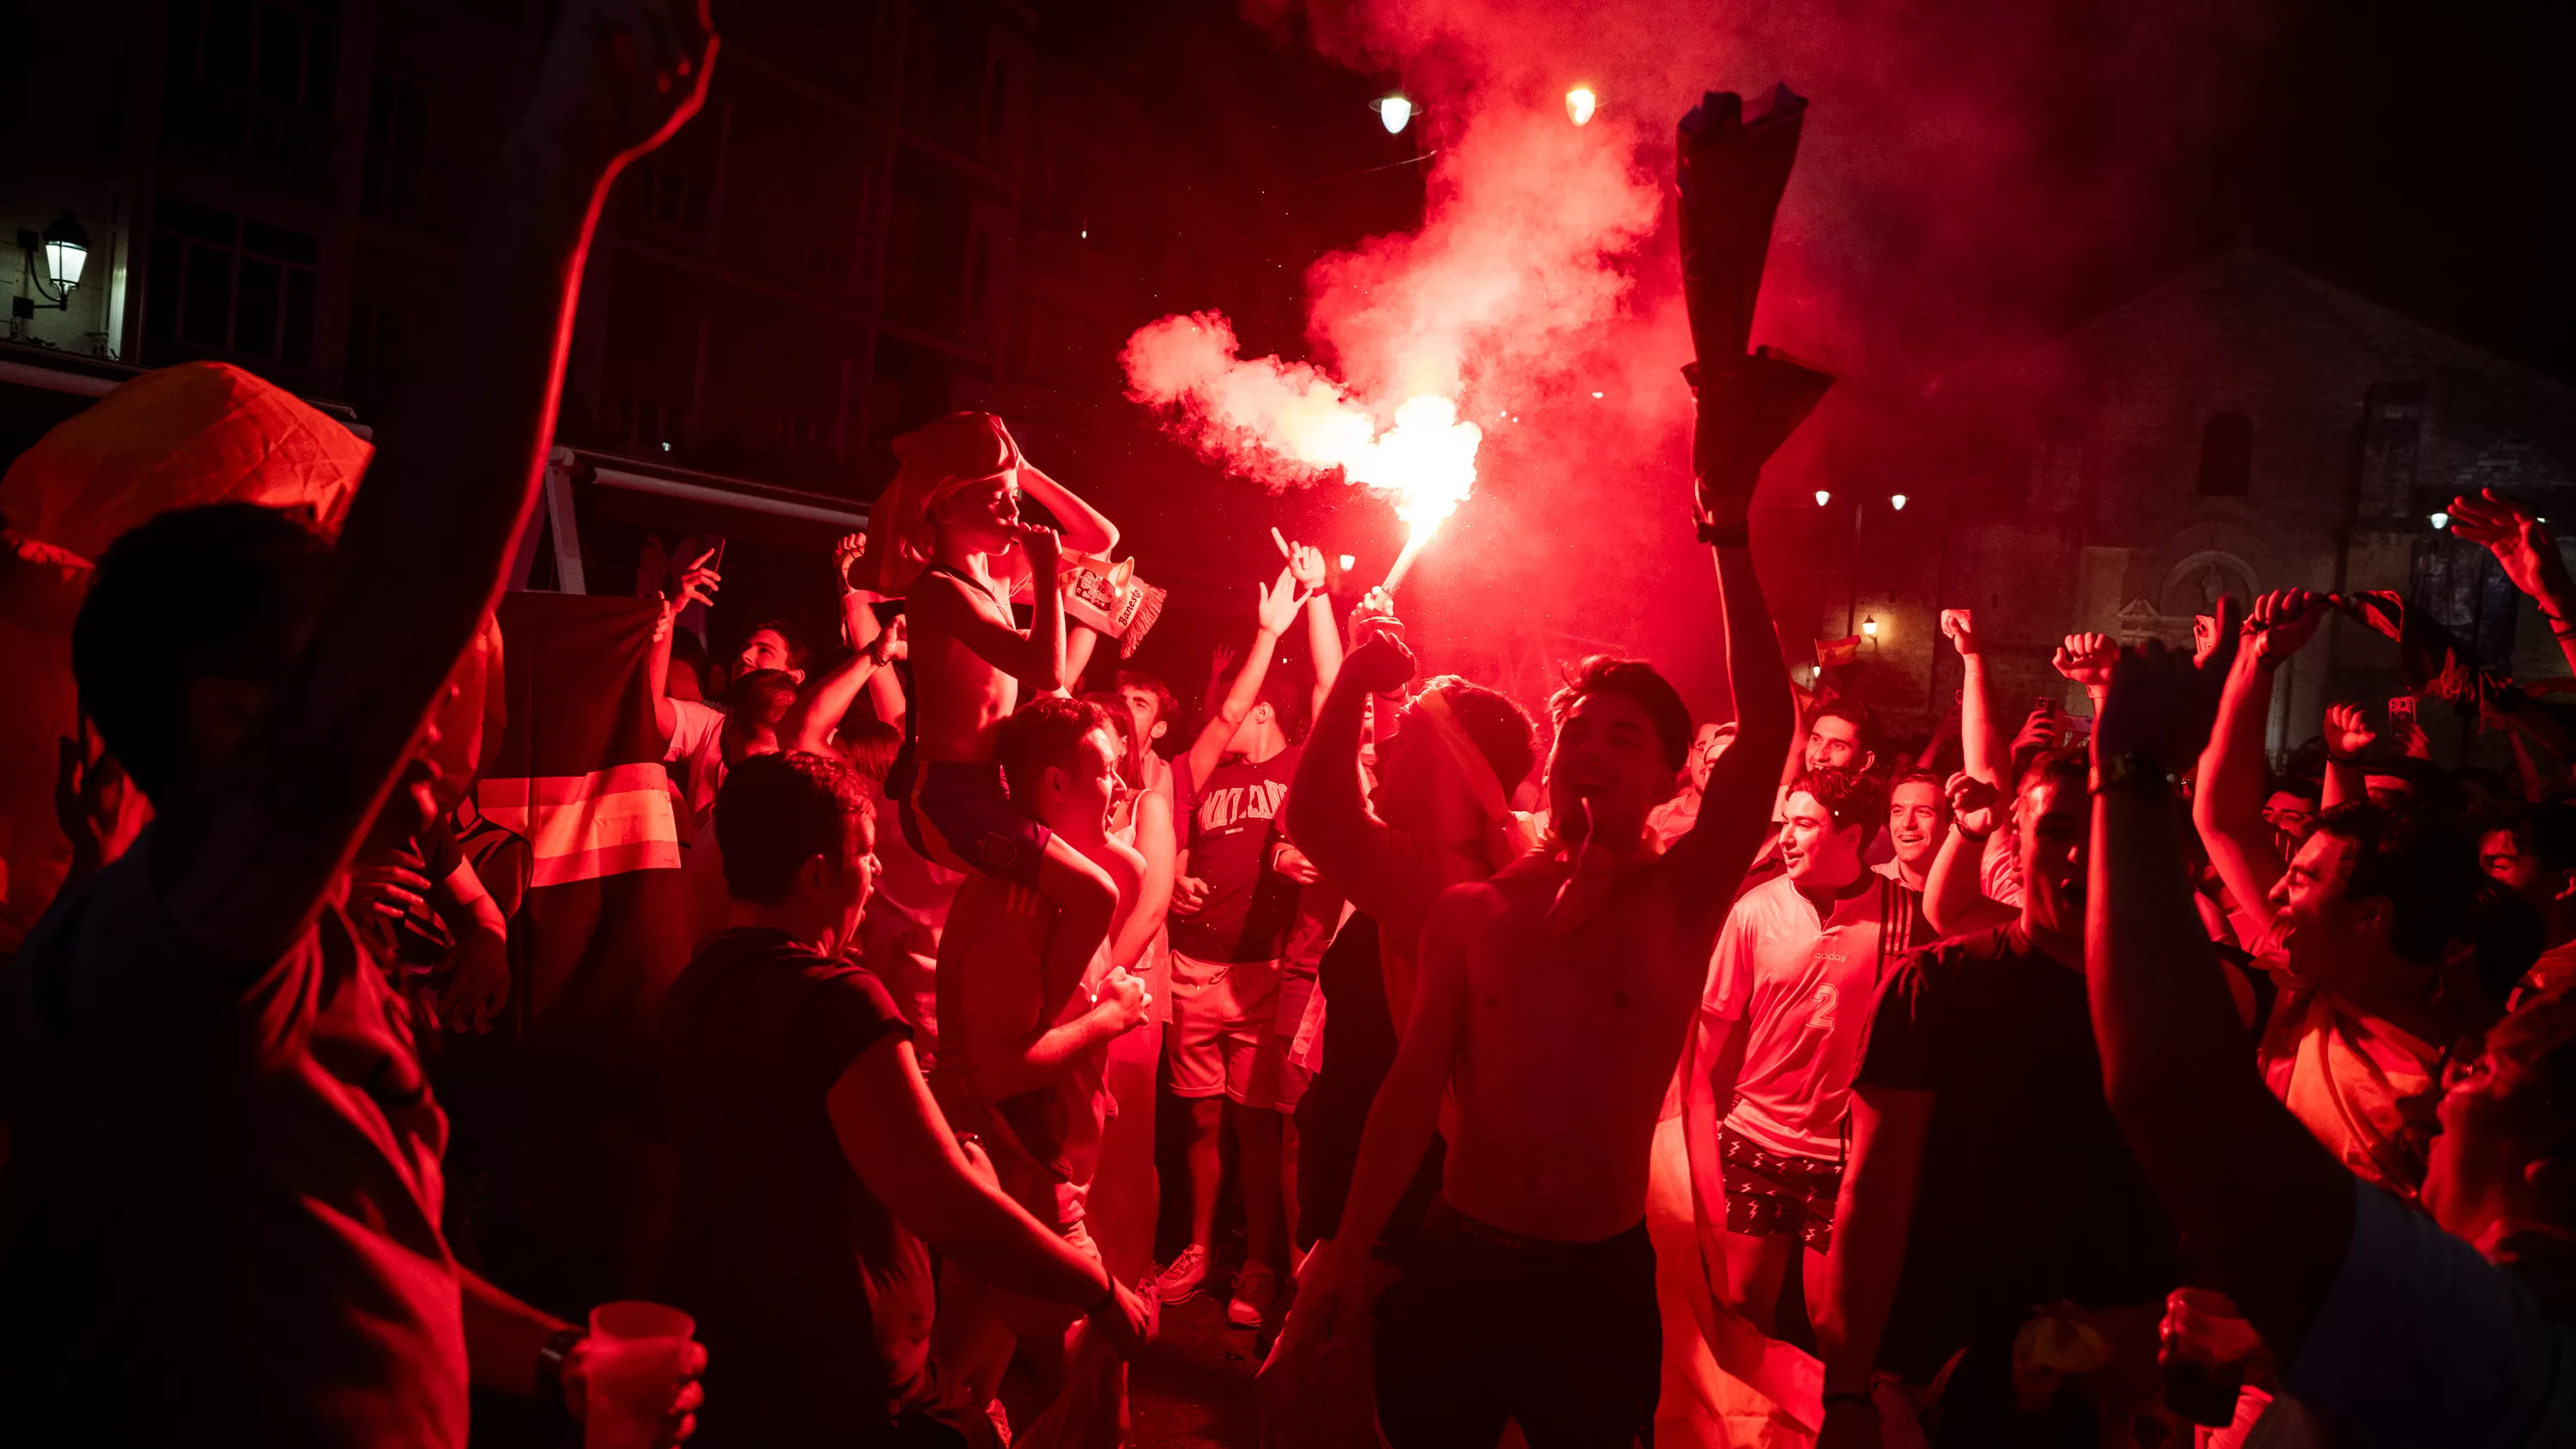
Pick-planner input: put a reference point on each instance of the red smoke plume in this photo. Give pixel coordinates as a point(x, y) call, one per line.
point(1969, 165)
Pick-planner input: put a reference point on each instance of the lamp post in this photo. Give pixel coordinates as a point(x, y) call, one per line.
point(1851, 600)
point(65, 245)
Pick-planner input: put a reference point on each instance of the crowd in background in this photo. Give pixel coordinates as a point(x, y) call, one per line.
point(1593, 1071)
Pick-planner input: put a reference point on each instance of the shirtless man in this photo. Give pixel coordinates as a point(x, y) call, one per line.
point(970, 663)
point(1551, 1008)
point(1024, 1053)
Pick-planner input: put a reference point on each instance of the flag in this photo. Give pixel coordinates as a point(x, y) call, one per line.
point(599, 935)
point(2436, 664)
point(579, 777)
point(1838, 651)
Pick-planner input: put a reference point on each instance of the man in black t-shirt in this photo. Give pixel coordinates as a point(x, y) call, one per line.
point(813, 1162)
point(1988, 1185)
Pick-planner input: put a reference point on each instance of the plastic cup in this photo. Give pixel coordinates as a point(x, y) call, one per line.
point(634, 1360)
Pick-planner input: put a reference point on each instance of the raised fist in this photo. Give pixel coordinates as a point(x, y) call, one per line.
point(2348, 731)
point(2086, 659)
point(1382, 665)
point(1959, 626)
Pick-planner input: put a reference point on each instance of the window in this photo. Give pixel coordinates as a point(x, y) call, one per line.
point(251, 86)
point(287, 55)
point(2227, 456)
point(979, 274)
point(227, 283)
point(389, 187)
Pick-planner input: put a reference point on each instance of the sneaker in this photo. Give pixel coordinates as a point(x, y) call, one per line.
point(1254, 1288)
point(1180, 1282)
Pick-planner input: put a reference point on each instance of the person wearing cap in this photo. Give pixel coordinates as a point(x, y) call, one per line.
point(955, 546)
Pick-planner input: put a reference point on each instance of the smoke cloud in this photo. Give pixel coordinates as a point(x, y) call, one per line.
point(1969, 167)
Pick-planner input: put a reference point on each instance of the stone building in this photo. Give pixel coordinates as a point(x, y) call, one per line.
point(2244, 426)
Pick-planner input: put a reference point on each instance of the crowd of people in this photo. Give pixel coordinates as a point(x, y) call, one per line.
point(1607, 1076)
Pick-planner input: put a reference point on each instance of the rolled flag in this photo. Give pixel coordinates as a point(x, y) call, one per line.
point(1110, 598)
point(1733, 169)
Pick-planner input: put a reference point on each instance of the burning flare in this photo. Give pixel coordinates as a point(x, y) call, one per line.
point(1290, 423)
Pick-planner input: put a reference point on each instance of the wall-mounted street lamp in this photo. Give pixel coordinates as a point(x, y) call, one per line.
point(65, 245)
point(1393, 112)
point(1869, 626)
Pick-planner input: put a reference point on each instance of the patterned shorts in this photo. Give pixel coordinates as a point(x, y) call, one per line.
point(1773, 1195)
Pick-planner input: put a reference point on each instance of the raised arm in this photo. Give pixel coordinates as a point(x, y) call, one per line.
point(1954, 894)
point(2264, 1206)
point(821, 704)
point(698, 585)
point(2227, 805)
point(1981, 742)
point(1275, 608)
point(1735, 810)
point(2348, 732)
point(1323, 636)
point(2530, 557)
point(2086, 660)
point(246, 860)
point(1328, 812)
point(1086, 529)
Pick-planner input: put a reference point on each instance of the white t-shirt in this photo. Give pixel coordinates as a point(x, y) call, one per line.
point(2422, 1341)
point(1803, 985)
point(697, 741)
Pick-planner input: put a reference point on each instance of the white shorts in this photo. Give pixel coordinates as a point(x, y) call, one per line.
point(1232, 1030)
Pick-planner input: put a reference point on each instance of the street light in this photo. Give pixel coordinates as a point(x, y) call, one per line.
point(1393, 112)
point(1896, 501)
point(2441, 521)
point(1869, 626)
point(1823, 497)
point(66, 248)
point(1579, 104)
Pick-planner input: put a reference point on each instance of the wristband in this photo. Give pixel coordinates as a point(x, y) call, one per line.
point(550, 1361)
point(1728, 535)
point(2137, 772)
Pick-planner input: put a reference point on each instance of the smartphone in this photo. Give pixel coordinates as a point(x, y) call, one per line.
point(2401, 707)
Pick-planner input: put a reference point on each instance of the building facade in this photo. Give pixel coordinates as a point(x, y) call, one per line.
point(2243, 427)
